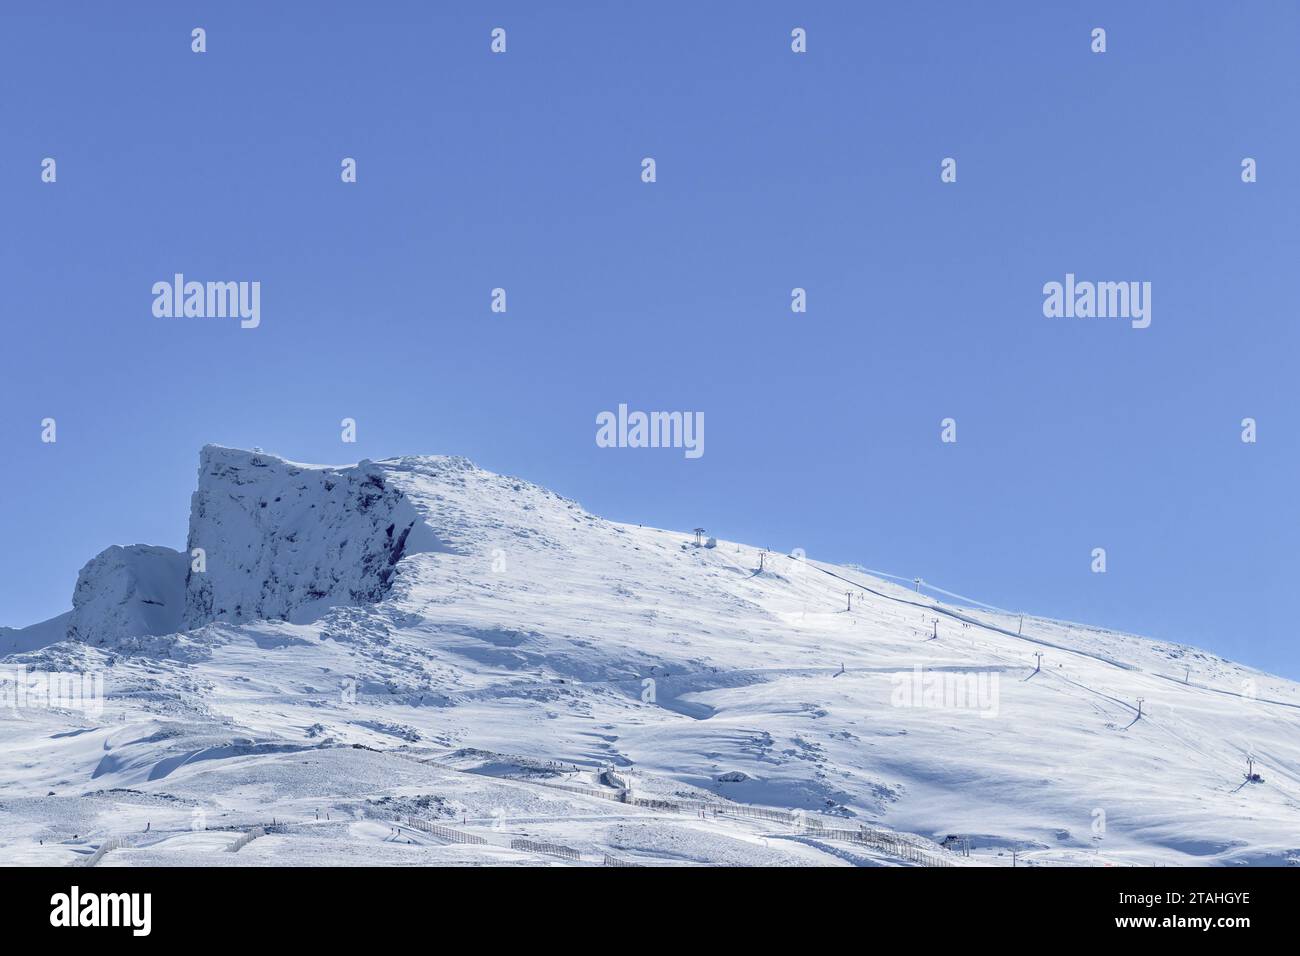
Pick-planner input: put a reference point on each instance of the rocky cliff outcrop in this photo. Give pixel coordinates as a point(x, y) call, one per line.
point(128, 591)
point(284, 540)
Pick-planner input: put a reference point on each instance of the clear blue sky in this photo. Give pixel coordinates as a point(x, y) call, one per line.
point(774, 170)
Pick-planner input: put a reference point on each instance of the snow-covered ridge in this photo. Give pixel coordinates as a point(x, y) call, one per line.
point(273, 539)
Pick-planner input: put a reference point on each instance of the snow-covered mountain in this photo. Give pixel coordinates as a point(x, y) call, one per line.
point(352, 657)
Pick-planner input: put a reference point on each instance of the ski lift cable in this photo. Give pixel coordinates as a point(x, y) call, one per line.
point(936, 588)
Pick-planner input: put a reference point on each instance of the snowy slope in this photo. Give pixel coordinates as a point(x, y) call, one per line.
point(418, 638)
point(15, 640)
